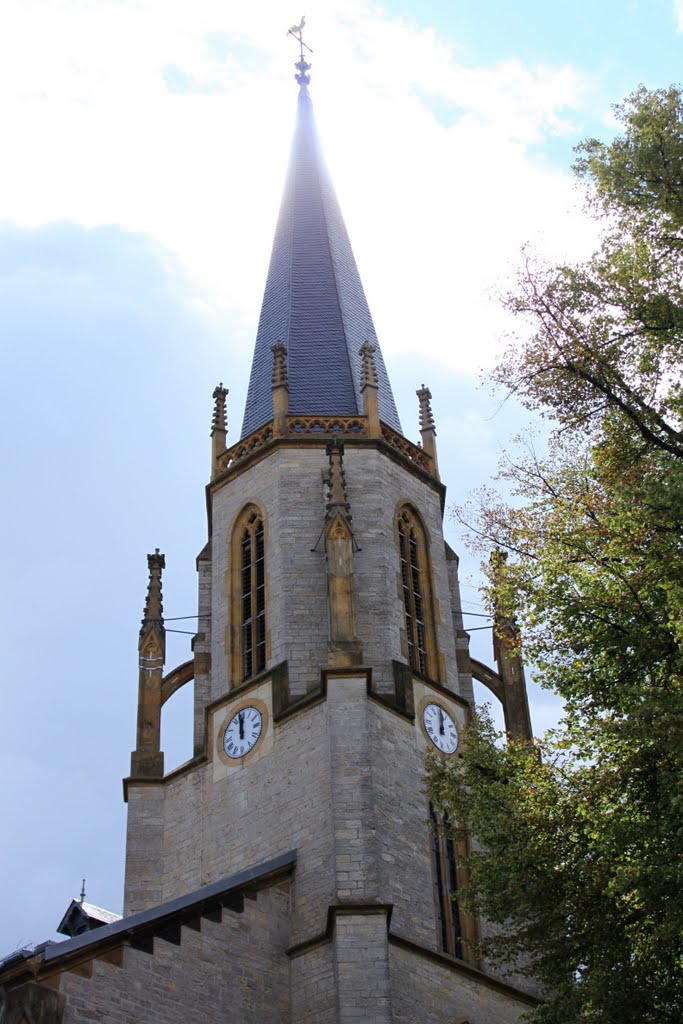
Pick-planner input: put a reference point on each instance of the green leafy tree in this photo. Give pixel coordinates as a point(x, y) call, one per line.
point(580, 867)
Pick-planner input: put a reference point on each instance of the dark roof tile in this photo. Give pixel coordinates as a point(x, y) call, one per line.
point(314, 300)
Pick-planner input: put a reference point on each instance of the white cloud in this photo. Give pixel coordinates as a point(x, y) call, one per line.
point(437, 206)
point(678, 12)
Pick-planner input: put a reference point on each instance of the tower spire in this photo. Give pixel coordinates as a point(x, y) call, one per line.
point(314, 301)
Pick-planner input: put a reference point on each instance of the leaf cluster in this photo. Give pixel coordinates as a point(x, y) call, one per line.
point(580, 863)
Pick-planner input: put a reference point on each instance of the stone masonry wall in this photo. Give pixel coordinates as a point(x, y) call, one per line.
point(289, 487)
point(214, 827)
point(428, 992)
point(361, 958)
point(144, 876)
point(377, 575)
point(313, 992)
point(343, 783)
point(235, 972)
point(402, 828)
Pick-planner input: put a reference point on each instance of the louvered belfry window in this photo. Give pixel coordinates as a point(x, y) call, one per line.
point(253, 596)
point(415, 590)
point(445, 885)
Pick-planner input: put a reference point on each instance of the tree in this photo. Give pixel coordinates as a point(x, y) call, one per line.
point(580, 866)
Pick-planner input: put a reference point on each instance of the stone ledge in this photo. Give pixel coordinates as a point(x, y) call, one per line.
point(461, 966)
point(339, 910)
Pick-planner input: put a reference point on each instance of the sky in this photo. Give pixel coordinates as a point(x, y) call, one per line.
point(144, 150)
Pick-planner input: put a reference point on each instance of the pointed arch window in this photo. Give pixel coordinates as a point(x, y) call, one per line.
point(418, 621)
point(445, 884)
point(249, 596)
point(457, 928)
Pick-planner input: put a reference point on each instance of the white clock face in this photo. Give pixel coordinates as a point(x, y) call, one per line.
point(440, 728)
point(242, 732)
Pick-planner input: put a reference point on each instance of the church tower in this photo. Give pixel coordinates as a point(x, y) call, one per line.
point(288, 872)
point(330, 653)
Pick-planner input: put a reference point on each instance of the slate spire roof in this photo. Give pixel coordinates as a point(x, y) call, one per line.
point(314, 300)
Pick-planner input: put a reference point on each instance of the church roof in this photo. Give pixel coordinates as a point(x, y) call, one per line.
point(314, 300)
point(162, 921)
point(81, 916)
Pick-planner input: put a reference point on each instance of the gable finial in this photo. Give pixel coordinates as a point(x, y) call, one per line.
point(302, 65)
point(82, 898)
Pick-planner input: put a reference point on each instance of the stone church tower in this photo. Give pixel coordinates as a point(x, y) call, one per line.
point(288, 871)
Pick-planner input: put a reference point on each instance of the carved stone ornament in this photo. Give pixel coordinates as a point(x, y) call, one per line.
point(368, 374)
point(426, 416)
point(219, 420)
point(279, 350)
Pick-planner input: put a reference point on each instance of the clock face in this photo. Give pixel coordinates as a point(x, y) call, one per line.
point(440, 728)
point(242, 732)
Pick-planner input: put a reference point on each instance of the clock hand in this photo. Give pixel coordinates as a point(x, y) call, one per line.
point(240, 719)
point(441, 721)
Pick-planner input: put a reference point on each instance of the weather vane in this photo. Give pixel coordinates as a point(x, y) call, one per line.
point(303, 67)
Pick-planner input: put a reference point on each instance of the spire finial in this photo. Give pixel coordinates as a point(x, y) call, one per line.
point(368, 375)
point(154, 611)
point(82, 899)
point(426, 416)
point(369, 387)
point(219, 428)
point(280, 389)
point(147, 758)
point(428, 427)
point(302, 66)
point(219, 421)
point(279, 350)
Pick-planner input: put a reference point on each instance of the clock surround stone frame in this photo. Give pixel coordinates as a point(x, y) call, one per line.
point(231, 710)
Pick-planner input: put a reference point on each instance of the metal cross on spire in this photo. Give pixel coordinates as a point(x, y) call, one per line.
point(302, 65)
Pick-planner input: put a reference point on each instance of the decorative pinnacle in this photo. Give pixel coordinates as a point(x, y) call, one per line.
point(279, 351)
point(426, 416)
point(336, 481)
point(154, 609)
point(219, 420)
point(302, 66)
point(368, 373)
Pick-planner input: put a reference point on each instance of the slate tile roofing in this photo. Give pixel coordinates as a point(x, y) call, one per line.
point(314, 300)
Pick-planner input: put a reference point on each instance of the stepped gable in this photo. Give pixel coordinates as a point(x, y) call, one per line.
point(314, 300)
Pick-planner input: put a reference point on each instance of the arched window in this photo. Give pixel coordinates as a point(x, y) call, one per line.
point(416, 593)
point(457, 928)
point(249, 596)
point(445, 870)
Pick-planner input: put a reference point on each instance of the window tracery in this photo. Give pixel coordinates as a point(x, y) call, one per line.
point(444, 865)
point(416, 593)
point(249, 596)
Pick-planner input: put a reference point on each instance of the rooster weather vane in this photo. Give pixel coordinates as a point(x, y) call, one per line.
point(302, 66)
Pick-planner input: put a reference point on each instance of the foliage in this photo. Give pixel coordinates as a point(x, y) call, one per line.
point(581, 865)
